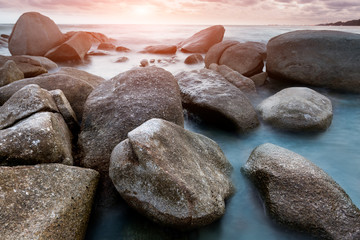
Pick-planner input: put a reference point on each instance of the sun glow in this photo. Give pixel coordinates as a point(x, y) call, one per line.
point(142, 10)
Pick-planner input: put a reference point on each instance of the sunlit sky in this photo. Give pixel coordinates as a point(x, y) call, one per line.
point(240, 12)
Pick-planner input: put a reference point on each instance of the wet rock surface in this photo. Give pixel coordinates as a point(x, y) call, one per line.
point(171, 175)
point(49, 201)
point(300, 195)
point(297, 109)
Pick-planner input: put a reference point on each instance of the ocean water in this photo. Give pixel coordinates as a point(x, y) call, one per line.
point(336, 150)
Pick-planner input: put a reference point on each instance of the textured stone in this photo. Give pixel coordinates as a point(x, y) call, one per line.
point(9, 72)
point(203, 40)
point(173, 176)
point(34, 34)
point(91, 79)
point(319, 58)
point(25, 102)
point(106, 46)
point(245, 84)
point(44, 62)
point(297, 109)
point(30, 67)
point(215, 52)
point(160, 49)
point(194, 59)
point(40, 138)
point(49, 201)
point(300, 195)
point(212, 97)
point(259, 79)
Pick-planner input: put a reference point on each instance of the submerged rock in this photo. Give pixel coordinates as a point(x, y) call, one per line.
point(106, 46)
point(49, 201)
point(212, 97)
point(300, 195)
point(122, 49)
point(122, 59)
point(194, 59)
point(41, 138)
point(121, 104)
point(297, 109)
point(73, 49)
point(171, 175)
point(34, 34)
point(319, 58)
point(203, 40)
point(160, 49)
point(25, 102)
point(9, 72)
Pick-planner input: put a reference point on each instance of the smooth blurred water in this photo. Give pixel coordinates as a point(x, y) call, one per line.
point(336, 151)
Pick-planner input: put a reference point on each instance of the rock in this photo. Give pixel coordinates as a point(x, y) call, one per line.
point(122, 49)
point(73, 49)
point(171, 175)
point(304, 56)
point(160, 49)
point(259, 79)
point(97, 53)
point(121, 104)
point(122, 59)
point(245, 58)
point(48, 201)
point(9, 72)
point(300, 195)
point(106, 46)
point(214, 67)
point(95, 37)
point(297, 109)
point(65, 110)
point(194, 59)
point(215, 52)
point(5, 36)
point(41, 138)
point(24, 103)
point(144, 63)
point(213, 98)
point(29, 67)
point(245, 84)
point(34, 34)
point(260, 47)
point(91, 79)
point(75, 89)
point(152, 60)
point(203, 40)
point(44, 62)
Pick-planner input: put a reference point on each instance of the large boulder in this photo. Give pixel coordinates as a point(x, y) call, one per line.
point(320, 58)
point(297, 109)
point(211, 96)
point(73, 49)
point(215, 52)
point(44, 62)
point(30, 67)
point(173, 176)
point(75, 90)
point(34, 34)
point(121, 104)
point(203, 40)
point(41, 138)
point(24, 103)
point(160, 49)
point(91, 79)
point(300, 195)
point(9, 72)
point(49, 201)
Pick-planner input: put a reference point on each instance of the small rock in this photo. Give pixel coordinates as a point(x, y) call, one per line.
point(194, 59)
point(171, 175)
point(144, 63)
point(160, 49)
point(5, 36)
point(106, 46)
point(9, 73)
point(97, 53)
point(122, 59)
point(152, 60)
point(297, 109)
point(214, 67)
point(259, 79)
point(122, 49)
point(300, 195)
point(245, 84)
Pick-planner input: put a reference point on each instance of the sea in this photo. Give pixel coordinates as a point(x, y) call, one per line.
point(336, 150)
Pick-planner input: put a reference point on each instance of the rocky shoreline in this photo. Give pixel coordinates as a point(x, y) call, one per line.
point(125, 136)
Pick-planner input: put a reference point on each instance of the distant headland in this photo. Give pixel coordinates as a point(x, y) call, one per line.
point(348, 23)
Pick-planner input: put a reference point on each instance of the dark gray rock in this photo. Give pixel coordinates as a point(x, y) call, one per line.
point(65, 110)
point(212, 97)
point(9, 72)
point(203, 40)
point(106, 46)
point(300, 195)
point(173, 176)
point(121, 104)
point(73, 49)
point(246, 58)
point(215, 52)
point(319, 58)
point(194, 59)
point(25, 102)
point(41, 138)
point(297, 109)
point(49, 201)
point(34, 34)
point(160, 49)
point(75, 90)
